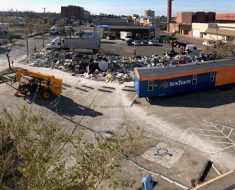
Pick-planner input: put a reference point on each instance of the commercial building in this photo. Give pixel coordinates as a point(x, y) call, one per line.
point(223, 32)
point(104, 19)
point(199, 29)
point(214, 31)
point(137, 31)
point(75, 12)
point(184, 20)
point(184, 17)
point(225, 17)
point(197, 17)
point(148, 21)
point(149, 13)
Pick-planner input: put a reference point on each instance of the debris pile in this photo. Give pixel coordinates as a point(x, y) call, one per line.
point(107, 68)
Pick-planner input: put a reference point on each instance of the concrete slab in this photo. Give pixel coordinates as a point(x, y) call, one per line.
point(164, 154)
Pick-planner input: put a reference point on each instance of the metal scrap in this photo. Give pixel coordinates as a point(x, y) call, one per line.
point(107, 68)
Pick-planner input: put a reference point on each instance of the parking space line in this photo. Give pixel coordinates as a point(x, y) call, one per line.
point(225, 137)
point(230, 133)
point(204, 130)
point(219, 142)
point(224, 149)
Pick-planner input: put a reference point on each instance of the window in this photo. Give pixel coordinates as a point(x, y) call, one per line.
point(194, 79)
point(150, 85)
point(212, 76)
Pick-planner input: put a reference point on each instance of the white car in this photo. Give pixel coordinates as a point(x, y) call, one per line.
point(136, 43)
point(152, 43)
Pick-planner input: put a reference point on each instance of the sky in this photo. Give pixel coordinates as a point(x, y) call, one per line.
point(120, 7)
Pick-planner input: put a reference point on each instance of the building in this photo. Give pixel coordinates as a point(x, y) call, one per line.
point(104, 19)
point(220, 34)
point(75, 12)
point(136, 19)
point(149, 13)
point(203, 17)
point(137, 31)
point(184, 20)
point(225, 17)
point(199, 29)
point(197, 17)
point(86, 15)
point(214, 31)
point(184, 17)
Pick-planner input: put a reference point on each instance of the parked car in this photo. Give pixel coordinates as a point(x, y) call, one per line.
point(152, 43)
point(144, 42)
point(158, 40)
point(129, 42)
point(136, 43)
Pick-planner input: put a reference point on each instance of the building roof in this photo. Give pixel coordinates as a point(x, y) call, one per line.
point(132, 27)
point(223, 182)
point(155, 73)
point(221, 32)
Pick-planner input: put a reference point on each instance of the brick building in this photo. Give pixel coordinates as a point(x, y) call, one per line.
point(225, 17)
point(184, 17)
point(197, 17)
point(74, 12)
point(184, 20)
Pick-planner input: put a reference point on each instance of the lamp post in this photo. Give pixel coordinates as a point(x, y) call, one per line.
point(26, 37)
point(43, 30)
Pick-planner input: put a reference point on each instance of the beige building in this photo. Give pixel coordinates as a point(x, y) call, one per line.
point(214, 31)
point(222, 31)
point(198, 29)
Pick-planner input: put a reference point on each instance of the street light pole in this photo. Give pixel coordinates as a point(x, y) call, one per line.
point(43, 39)
point(26, 37)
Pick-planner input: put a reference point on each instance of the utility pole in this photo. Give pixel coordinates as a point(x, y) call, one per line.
point(43, 39)
point(26, 37)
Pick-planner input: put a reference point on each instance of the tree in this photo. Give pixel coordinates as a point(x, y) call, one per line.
point(221, 50)
point(9, 44)
point(33, 155)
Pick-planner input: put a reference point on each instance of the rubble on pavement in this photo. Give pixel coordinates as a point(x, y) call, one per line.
point(107, 68)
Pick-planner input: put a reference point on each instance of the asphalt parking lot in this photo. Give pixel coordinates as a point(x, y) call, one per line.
point(119, 47)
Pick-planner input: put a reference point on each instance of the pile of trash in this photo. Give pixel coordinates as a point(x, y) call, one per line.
point(167, 60)
point(107, 68)
point(101, 68)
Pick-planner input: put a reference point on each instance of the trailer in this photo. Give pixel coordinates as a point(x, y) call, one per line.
point(87, 40)
point(154, 82)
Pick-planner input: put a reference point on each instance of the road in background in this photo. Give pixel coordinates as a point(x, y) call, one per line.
point(186, 39)
point(20, 49)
